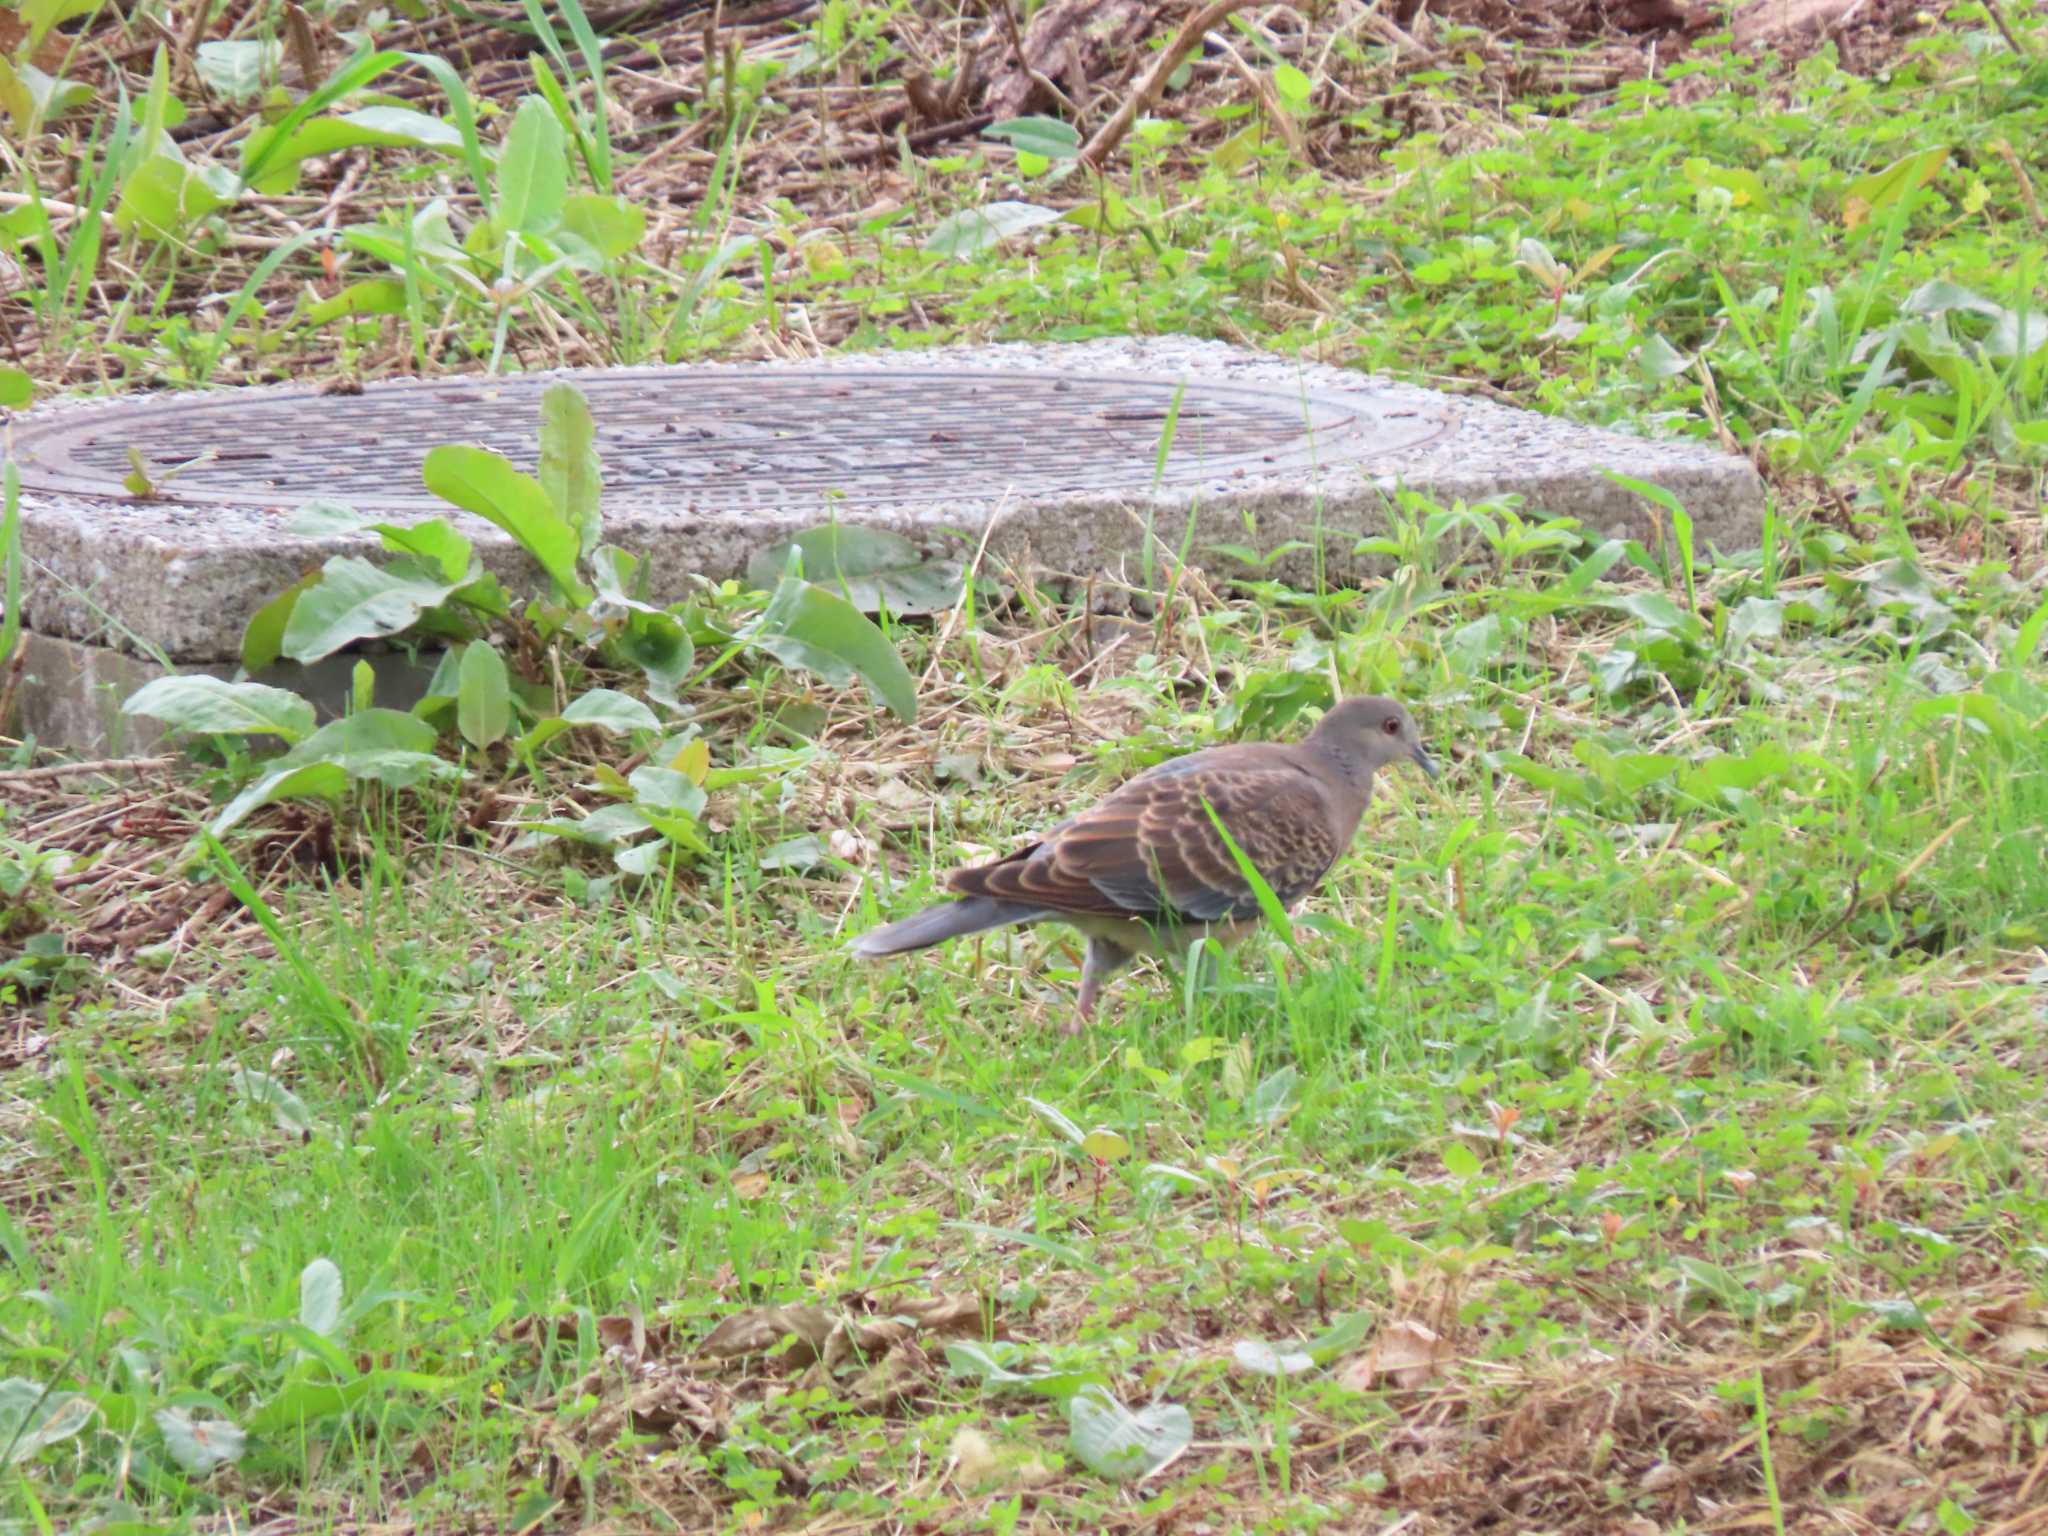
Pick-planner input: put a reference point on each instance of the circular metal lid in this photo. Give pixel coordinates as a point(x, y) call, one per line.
point(717, 439)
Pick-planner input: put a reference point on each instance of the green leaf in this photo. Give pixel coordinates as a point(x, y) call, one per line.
point(163, 198)
point(664, 789)
point(200, 1445)
point(974, 230)
point(1113, 1442)
point(373, 296)
point(238, 69)
point(1295, 89)
point(1756, 618)
point(198, 702)
point(978, 1362)
point(1879, 190)
point(41, 16)
point(533, 172)
point(483, 697)
point(605, 708)
point(1046, 136)
point(485, 483)
point(355, 600)
point(295, 781)
point(869, 567)
point(299, 1403)
point(434, 544)
point(569, 470)
point(320, 1298)
point(17, 390)
point(279, 151)
point(1263, 1359)
point(263, 635)
point(609, 226)
point(807, 627)
point(1460, 1161)
point(33, 1418)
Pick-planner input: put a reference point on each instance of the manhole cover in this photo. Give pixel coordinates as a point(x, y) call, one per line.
point(730, 439)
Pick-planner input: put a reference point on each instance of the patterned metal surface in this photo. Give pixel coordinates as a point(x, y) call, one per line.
point(727, 439)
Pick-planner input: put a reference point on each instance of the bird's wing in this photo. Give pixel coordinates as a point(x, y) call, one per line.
point(1150, 850)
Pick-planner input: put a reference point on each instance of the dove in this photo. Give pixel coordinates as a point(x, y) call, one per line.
point(1143, 871)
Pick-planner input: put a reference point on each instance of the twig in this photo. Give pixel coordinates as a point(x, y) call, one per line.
point(1278, 115)
point(97, 765)
point(1998, 21)
point(1024, 60)
point(1111, 133)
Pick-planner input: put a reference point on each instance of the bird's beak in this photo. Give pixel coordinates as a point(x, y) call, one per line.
point(1423, 760)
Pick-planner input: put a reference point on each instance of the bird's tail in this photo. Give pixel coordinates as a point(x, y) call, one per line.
point(935, 925)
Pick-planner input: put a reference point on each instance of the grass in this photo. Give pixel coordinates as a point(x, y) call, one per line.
point(1645, 1129)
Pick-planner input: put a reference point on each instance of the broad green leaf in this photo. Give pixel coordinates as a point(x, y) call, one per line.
point(381, 126)
point(32, 97)
point(606, 827)
point(355, 600)
point(1055, 1118)
point(485, 483)
point(979, 1362)
point(605, 708)
point(659, 645)
point(483, 697)
point(1880, 189)
point(198, 702)
point(33, 1418)
point(609, 226)
point(869, 567)
point(1275, 1096)
point(808, 627)
point(299, 1403)
point(1046, 136)
point(974, 230)
point(664, 789)
point(610, 709)
point(41, 16)
point(1263, 1359)
point(533, 172)
point(797, 853)
point(569, 469)
point(368, 735)
point(1295, 89)
point(288, 1111)
point(1460, 1161)
point(164, 197)
point(373, 296)
point(434, 543)
point(320, 1297)
point(1756, 618)
point(263, 635)
point(17, 390)
point(295, 781)
point(1113, 1442)
point(1105, 1146)
point(238, 69)
point(200, 1445)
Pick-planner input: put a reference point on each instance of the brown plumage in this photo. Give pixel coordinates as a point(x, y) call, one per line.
point(1144, 870)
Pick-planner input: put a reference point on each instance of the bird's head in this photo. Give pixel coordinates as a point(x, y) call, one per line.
point(1372, 733)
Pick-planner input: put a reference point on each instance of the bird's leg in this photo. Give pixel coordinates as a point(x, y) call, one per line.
point(1103, 961)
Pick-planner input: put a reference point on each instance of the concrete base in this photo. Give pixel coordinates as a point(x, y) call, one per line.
point(1056, 462)
point(71, 693)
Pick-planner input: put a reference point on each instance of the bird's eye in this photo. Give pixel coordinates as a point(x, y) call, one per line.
point(1392, 727)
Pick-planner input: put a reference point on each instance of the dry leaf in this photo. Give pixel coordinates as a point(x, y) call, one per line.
point(751, 1186)
point(759, 1329)
point(1406, 1354)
